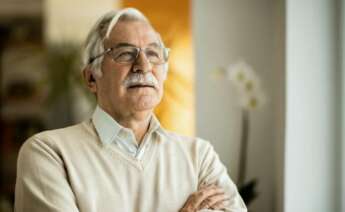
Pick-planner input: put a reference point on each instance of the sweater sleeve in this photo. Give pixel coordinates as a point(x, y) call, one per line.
point(212, 171)
point(42, 184)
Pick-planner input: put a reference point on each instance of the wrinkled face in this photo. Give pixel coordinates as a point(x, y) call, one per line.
point(122, 90)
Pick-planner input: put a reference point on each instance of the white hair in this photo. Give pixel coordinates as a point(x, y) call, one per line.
point(94, 44)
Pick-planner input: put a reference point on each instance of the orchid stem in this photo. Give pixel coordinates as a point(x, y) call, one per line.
point(243, 147)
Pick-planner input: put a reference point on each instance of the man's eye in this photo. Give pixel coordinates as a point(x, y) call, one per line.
point(125, 56)
point(152, 54)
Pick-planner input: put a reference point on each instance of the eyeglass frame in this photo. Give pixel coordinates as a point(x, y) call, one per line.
point(139, 49)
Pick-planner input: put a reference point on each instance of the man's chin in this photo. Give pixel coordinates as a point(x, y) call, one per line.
point(145, 103)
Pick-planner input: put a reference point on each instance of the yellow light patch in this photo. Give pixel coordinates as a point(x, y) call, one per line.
point(172, 19)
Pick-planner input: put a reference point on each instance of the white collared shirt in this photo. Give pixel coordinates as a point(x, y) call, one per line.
point(110, 131)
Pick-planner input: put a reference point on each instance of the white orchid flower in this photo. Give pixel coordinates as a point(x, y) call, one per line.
point(252, 101)
point(247, 84)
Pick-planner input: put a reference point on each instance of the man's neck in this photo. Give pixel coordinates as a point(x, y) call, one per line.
point(138, 123)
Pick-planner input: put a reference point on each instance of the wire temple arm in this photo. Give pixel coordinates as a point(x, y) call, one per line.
point(92, 59)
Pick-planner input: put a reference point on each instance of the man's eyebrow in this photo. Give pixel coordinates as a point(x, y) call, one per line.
point(155, 44)
point(123, 45)
point(119, 45)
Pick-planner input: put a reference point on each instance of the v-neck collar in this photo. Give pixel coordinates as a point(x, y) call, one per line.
point(109, 129)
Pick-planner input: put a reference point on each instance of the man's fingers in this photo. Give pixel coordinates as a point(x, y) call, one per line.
point(201, 199)
point(209, 190)
point(214, 200)
point(204, 205)
point(205, 193)
point(217, 201)
point(218, 206)
point(218, 198)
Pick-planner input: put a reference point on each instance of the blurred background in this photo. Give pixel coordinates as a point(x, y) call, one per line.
point(262, 80)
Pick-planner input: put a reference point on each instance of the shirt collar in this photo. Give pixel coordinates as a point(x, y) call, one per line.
point(107, 128)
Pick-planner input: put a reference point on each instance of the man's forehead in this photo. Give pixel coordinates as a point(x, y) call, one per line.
point(131, 32)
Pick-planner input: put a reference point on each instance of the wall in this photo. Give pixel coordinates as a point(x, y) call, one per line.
point(171, 19)
point(80, 16)
point(225, 31)
point(280, 103)
point(27, 8)
point(342, 104)
point(311, 155)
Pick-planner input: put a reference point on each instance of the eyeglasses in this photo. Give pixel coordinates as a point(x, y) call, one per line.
point(129, 54)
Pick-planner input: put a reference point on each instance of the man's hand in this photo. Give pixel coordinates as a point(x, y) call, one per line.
point(207, 197)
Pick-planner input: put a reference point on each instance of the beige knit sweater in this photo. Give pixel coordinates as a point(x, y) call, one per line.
point(70, 170)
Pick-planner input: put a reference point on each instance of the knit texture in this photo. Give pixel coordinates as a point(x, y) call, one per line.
point(71, 170)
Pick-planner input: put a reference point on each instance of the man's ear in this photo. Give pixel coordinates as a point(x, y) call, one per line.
point(90, 80)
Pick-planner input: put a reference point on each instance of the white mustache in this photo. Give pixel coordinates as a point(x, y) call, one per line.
point(137, 79)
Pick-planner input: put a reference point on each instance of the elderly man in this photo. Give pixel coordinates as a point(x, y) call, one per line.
point(122, 159)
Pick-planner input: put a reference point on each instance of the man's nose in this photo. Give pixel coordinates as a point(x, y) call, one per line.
point(142, 63)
